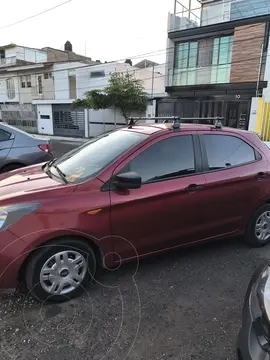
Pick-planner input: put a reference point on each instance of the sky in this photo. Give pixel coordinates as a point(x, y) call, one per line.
point(108, 30)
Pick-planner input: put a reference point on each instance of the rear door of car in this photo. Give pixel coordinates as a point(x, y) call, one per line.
point(232, 167)
point(6, 142)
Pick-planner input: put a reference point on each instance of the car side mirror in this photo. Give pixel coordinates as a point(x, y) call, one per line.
point(128, 180)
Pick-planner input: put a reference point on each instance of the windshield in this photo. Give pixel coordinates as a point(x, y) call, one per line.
point(91, 157)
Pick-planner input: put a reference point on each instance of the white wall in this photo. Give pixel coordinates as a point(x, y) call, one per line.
point(146, 75)
point(266, 93)
point(104, 120)
point(45, 126)
point(16, 51)
point(151, 109)
point(61, 79)
point(61, 85)
point(3, 88)
point(26, 54)
point(85, 83)
point(253, 114)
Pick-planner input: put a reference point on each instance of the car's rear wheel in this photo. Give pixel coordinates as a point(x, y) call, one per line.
point(11, 167)
point(61, 270)
point(258, 232)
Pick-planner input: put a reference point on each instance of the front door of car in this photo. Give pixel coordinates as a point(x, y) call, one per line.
point(167, 210)
point(6, 142)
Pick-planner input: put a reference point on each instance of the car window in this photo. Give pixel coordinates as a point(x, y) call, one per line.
point(90, 158)
point(4, 135)
point(225, 151)
point(168, 158)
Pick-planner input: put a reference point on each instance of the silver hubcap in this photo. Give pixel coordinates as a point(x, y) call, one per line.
point(63, 272)
point(262, 229)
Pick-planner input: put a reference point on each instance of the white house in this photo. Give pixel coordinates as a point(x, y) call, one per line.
point(25, 75)
point(54, 115)
point(29, 76)
point(71, 81)
point(97, 77)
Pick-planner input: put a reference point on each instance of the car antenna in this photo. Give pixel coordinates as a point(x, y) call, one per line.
point(132, 121)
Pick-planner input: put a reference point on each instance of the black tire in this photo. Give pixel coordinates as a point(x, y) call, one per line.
point(43, 254)
point(11, 167)
point(250, 236)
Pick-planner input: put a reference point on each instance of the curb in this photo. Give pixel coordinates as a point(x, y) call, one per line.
point(62, 138)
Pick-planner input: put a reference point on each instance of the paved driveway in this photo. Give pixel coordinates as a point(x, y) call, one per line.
point(184, 305)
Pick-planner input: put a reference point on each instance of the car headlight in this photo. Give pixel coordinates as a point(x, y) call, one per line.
point(11, 214)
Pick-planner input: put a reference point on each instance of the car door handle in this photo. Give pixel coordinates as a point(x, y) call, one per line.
point(261, 175)
point(194, 187)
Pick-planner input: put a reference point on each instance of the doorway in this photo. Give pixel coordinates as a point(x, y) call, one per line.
point(232, 114)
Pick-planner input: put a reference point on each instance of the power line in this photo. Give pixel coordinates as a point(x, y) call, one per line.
point(35, 15)
point(168, 50)
point(156, 52)
point(159, 76)
point(89, 88)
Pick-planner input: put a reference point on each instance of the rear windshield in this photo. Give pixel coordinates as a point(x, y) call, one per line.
point(93, 156)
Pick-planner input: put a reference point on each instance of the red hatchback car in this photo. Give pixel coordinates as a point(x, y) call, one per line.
point(133, 192)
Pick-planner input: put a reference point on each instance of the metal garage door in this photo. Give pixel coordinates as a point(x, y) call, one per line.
point(68, 123)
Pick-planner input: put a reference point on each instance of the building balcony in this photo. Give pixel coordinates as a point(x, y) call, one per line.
point(8, 61)
point(215, 74)
point(208, 13)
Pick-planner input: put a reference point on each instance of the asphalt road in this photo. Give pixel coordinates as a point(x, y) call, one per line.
point(60, 147)
point(184, 305)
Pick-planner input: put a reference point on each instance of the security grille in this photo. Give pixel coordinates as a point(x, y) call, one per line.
point(69, 123)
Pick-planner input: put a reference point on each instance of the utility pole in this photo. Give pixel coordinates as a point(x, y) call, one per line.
point(153, 73)
point(259, 72)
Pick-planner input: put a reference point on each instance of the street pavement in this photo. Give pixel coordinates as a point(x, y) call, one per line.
point(62, 146)
point(184, 305)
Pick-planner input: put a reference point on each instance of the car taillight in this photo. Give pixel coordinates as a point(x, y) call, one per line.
point(46, 147)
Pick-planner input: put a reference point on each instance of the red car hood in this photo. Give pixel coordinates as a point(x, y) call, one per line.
point(28, 181)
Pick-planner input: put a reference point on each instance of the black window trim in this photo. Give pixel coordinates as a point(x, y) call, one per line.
point(205, 163)
point(197, 162)
point(10, 135)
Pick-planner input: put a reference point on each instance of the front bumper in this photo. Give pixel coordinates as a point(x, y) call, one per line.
point(13, 252)
point(251, 341)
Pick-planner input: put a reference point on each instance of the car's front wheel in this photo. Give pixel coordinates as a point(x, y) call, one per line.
point(61, 270)
point(258, 232)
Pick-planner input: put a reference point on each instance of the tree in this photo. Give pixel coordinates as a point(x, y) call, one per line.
point(124, 92)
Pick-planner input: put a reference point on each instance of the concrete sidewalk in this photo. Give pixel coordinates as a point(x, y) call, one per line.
point(63, 138)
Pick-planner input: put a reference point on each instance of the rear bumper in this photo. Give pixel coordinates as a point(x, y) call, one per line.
point(44, 157)
point(13, 252)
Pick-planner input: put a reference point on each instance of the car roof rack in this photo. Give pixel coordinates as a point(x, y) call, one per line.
point(218, 123)
point(175, 120)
